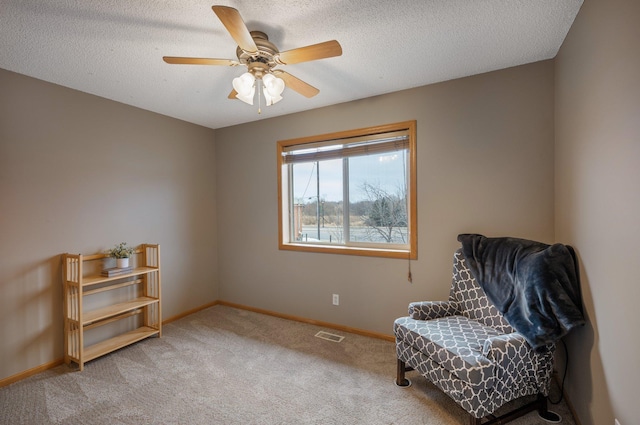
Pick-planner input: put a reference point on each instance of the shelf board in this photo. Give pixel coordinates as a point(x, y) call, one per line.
point(93, 351)
point(93, 280)
point(115, 309)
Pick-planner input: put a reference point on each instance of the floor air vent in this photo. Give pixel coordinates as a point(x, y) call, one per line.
point(329, 337)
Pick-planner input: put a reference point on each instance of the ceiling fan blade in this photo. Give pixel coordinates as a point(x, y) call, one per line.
point(328, 49)
point(233, 94)
point(233, 22)
point(296, 84)
point(199, 61)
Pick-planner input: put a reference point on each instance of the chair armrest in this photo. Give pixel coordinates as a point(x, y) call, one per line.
point(501, 343)
point(428, 310)
point(513, 356)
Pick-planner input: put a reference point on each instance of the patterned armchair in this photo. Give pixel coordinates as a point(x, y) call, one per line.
point(467, 349)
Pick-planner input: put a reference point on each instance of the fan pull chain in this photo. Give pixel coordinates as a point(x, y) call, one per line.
point(258, 83)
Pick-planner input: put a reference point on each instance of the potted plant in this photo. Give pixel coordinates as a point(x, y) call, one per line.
point(121, 253)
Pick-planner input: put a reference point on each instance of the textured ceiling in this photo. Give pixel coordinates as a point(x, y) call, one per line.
point(114, 48)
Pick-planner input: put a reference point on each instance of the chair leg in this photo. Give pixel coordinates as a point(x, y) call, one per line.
point(540, 404)
point(546, 414)
point(474, 421)
point(401, 381)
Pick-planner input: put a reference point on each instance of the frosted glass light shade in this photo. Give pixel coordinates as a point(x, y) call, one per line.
point(272, 88)
point(245, 88)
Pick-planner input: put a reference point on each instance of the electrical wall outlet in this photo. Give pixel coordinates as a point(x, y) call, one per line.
point(336, 299)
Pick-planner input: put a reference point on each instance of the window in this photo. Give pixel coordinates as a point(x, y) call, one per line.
point(352, 192)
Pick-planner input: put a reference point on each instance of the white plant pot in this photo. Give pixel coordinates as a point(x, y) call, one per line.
point(122, 262)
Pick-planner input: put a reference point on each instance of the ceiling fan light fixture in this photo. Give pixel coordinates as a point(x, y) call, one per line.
point(260, 56)
point(272, 88)
point(245, 87)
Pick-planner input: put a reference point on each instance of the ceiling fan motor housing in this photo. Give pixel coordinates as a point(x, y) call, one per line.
point(263, 60)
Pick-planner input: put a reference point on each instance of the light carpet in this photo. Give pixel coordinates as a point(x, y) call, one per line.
point(228, 366)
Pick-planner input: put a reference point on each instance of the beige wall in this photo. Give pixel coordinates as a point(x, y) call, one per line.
point(598, 203)
point(78, 174)
point(485, 164)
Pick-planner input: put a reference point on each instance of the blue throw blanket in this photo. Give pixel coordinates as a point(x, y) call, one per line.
point(534, 285)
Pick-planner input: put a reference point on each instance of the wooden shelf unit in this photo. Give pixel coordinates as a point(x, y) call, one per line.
point(81, 279)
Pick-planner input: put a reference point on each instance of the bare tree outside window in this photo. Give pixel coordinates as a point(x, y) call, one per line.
point(386, 214)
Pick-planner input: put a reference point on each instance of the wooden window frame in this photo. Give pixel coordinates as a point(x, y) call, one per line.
point(412, 252)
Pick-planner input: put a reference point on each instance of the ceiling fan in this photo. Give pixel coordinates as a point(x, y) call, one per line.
point(261, 57)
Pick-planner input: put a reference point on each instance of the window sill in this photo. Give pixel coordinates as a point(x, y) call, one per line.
point(350, 250)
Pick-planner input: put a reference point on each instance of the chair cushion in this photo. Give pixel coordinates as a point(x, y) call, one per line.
point(454, 342)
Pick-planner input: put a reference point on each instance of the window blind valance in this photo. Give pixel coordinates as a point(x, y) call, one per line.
point(341, 148)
